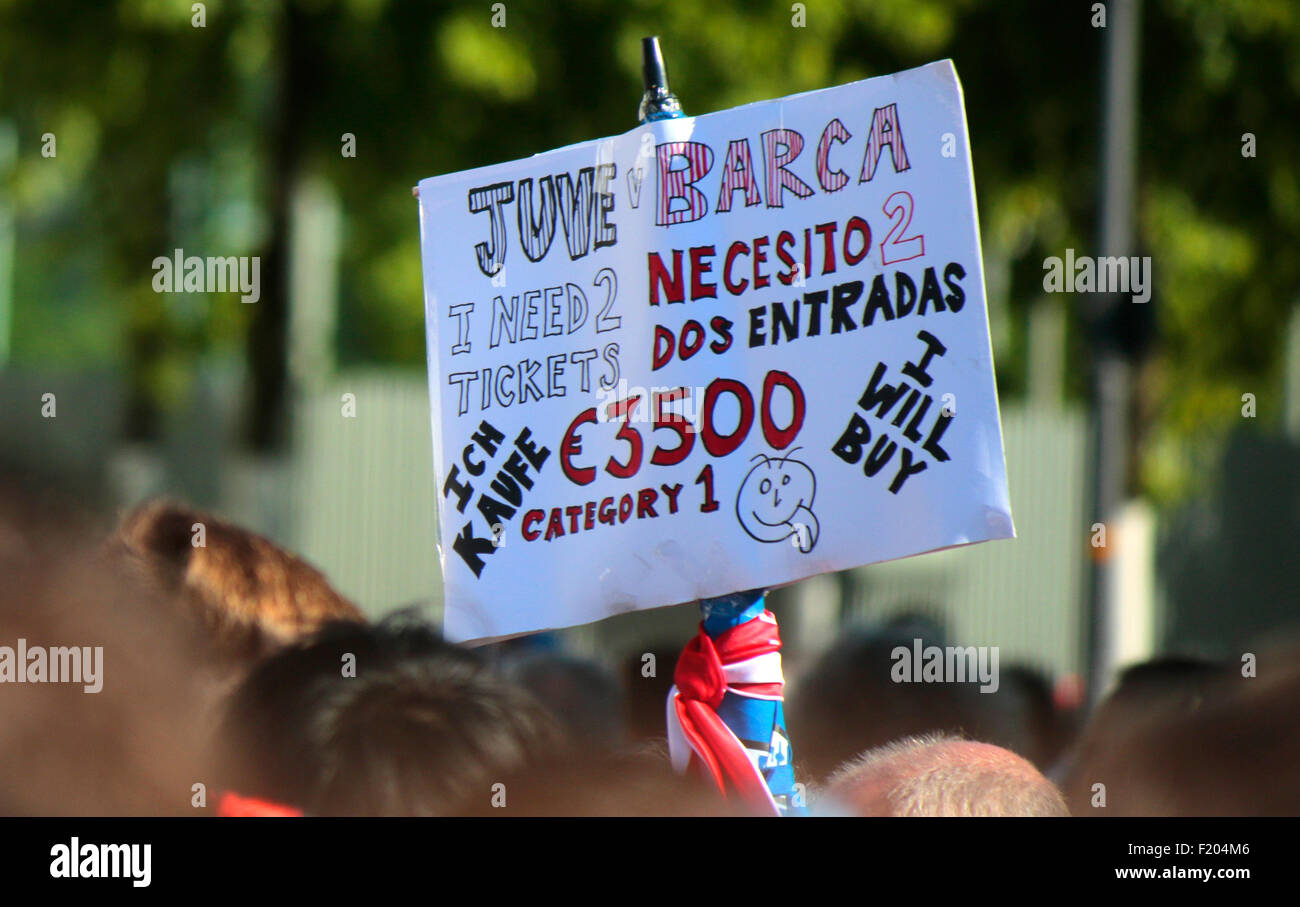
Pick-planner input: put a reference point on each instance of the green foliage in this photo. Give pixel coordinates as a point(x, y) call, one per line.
point(167, 136)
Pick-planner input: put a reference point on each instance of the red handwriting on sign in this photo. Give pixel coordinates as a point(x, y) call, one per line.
point(717, 442)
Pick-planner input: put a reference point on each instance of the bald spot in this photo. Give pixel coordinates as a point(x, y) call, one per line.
point(944, 777)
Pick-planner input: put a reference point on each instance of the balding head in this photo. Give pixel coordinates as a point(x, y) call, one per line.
point(943, 776)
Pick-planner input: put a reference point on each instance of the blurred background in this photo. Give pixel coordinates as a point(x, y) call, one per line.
point(294, 131)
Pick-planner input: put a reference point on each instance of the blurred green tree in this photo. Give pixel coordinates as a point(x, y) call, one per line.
point(176, 136)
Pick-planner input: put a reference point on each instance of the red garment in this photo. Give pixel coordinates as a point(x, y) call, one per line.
point(234, 805)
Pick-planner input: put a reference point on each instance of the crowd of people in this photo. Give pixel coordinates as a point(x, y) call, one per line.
point(238, 681)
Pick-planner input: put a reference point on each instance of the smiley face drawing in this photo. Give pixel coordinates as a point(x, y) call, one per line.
point(775, 501)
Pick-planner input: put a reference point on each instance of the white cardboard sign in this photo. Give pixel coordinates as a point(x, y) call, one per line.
point(710, 354)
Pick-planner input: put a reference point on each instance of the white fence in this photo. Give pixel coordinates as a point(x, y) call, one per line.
point(355, 496)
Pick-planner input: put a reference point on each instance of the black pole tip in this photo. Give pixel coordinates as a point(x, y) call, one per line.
point(653, 71)
point(658, 103)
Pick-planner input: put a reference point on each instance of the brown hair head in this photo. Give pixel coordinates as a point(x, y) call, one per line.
point(251, 594)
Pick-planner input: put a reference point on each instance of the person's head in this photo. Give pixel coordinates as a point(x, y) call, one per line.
point(943, 776)
point(848, 701)
point(102, 711)
point(1169, 684)
point(647, 676)
point(579, 692)
point(251, 594)
point(384, 719)
point(1144, 695)
point(1193, 741)
point(1024, 716)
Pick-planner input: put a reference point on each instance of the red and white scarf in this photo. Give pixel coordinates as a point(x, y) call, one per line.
point(745, 661)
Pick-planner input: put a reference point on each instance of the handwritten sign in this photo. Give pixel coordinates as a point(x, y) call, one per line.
point(710, 354)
